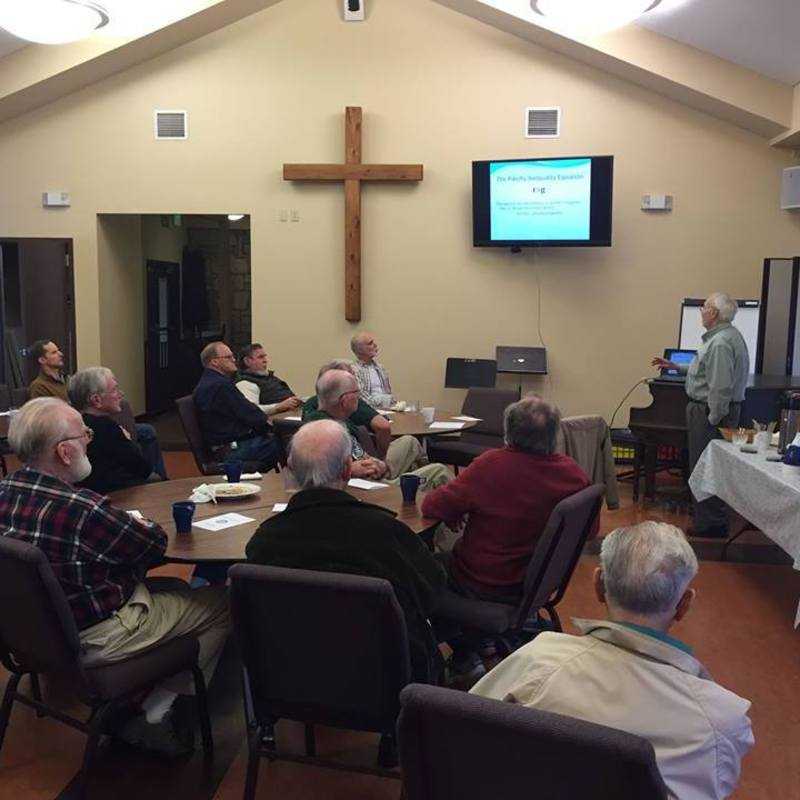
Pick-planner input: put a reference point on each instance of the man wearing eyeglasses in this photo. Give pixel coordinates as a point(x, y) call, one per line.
point(233, 427)
point(100, 555)
point(117, 459)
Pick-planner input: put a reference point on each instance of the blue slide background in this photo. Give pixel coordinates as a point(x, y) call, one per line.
point(540, 200)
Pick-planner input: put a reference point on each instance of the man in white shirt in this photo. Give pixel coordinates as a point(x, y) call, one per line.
point(260, 385)
point(373, 381)
point(626, 672)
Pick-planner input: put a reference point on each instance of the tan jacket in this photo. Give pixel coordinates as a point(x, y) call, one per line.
point(45, 386)
point(616, 676)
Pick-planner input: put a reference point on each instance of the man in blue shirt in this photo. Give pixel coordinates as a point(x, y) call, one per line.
point(233, 427)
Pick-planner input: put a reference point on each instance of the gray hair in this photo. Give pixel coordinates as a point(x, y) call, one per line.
point(86, 382)
point(40, 424)
point(209, 353)
point(337, 363)
point(531, 425)
point(318, 454)
point(647, 567)
point(331, 385)
point(725, 305)
point(355, 343)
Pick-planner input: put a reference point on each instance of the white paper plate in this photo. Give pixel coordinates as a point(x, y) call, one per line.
point(234, 491)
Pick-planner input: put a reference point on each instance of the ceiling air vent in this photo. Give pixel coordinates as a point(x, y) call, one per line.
point(542, 123)
point(171, 125)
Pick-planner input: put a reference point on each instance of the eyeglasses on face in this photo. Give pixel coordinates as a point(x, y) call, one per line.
point(87, 434)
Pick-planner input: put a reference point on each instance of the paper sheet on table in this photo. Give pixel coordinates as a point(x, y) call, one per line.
point(446, 426)
point(360, 483)
point(223, 521)
point(293, 418)
point(279, 507)
point(468, 418)
point(250, 476)
point(136, 514)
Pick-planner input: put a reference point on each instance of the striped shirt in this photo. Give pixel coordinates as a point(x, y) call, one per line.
point(98, 553)
point(373, 384)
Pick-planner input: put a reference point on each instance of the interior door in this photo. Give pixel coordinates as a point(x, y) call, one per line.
point(38, 302)
point(163, 330)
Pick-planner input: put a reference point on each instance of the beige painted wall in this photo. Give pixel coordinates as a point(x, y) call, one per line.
point(121, 319)
point(441, 89)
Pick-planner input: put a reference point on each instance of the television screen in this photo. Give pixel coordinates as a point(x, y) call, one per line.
point(543, 202)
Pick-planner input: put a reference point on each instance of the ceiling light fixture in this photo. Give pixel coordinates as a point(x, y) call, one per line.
point(235, 217)
point(52, 21)
point(590, 17)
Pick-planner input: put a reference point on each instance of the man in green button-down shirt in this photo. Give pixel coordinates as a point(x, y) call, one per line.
point(715, 384)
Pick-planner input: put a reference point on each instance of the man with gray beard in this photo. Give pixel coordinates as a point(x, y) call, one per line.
point(100, 555)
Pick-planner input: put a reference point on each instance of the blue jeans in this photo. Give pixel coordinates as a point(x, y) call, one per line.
point(151, 449)
point(265, 452)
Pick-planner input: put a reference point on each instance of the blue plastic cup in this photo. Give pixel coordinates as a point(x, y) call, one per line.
point(409, 484)
point(182, 513)
point(233, 471)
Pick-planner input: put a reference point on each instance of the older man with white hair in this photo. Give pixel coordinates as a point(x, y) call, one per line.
point(627, 672)
point(99, 555)
point(373, 379)
point(715, 383)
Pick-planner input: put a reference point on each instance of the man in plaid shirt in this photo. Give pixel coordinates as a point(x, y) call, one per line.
point(373, 379)
point(100, 556)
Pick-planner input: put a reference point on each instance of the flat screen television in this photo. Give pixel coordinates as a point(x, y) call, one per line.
point(543, 202)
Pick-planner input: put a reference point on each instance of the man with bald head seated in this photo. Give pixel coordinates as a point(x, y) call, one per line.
point(99, 555)
point(324, 528)
point(373, 380)
point(629, 673)
point(337, 393)
point(364, 415)
point(234, 428)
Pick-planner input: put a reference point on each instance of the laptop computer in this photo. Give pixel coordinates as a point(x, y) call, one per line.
point(524, 360)
point(680, 357)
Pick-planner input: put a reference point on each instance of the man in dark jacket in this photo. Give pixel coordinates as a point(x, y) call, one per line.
point(116, 458)
point(260, 385)
point(234, 428)
point(325, 528)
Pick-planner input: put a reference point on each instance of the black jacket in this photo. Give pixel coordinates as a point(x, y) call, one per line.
point(271, 389)
point(332, 531)
point(116, 461)
point(224, 413)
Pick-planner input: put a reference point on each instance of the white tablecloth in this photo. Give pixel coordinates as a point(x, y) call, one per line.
point(766, 493)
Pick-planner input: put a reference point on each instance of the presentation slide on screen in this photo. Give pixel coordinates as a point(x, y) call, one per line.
point(540, 199)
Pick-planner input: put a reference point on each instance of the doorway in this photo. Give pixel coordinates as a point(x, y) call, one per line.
point(37, 294)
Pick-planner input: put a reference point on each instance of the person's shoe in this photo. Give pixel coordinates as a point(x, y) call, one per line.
point(172, 737)
point(466, 667)
point(712, 532)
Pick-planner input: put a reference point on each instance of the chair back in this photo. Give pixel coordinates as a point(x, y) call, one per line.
point(19, 396)
point(5, 397)
point(285, 429)
point(191, 427)
point(37, 629)
point(488, 405)
point(320, 646)
point(458, 746)
point(559, 548)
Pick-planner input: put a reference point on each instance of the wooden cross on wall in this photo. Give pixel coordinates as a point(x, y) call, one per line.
point(352, 172)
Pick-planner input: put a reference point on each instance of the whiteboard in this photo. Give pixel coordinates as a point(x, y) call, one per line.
point(746, 320)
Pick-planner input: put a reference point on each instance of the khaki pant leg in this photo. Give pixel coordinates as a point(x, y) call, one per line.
point(204, 613)
point(403, 453)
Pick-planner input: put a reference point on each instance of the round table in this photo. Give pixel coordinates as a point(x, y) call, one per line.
point(404, 423)
point(154, 501)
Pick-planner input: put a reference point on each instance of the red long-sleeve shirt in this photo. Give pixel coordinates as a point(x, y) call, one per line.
point(508, 496)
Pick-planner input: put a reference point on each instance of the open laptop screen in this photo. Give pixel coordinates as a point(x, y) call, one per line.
point(681, 357)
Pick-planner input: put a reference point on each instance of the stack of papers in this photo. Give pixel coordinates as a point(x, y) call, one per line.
point(446, 426)
point(360, 483)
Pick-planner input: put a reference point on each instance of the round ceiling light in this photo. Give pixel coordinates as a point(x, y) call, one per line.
point(590, 16)
point(52, 21)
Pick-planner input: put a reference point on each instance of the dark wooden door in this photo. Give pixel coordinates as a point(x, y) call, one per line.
point(38, 303)
point(163, 332)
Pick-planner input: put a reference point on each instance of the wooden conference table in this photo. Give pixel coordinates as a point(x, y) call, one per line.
point(154, 501)
point(404, 423)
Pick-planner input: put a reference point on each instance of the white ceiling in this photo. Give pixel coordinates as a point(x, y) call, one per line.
point(760, 34)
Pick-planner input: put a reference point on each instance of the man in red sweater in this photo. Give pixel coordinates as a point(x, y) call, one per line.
point(506, 496)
